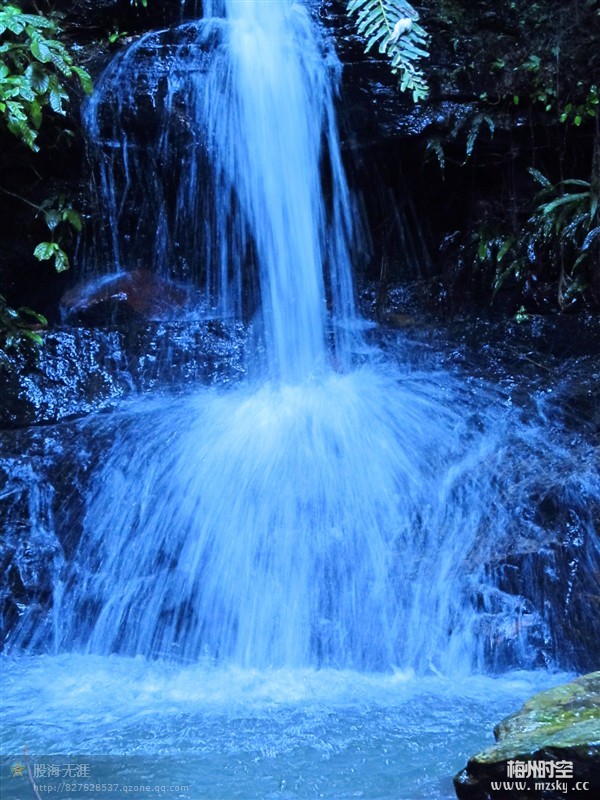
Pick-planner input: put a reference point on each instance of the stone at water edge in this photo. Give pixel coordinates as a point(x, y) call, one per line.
point(122, 295)
point(559, 725)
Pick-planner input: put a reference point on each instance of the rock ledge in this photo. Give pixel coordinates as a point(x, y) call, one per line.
point(549, 749)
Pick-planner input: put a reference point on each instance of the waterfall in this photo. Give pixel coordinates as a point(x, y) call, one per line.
point(301, 519)
point(227, 186)
point(293, 583)
point(269, 142)
point(335, 509)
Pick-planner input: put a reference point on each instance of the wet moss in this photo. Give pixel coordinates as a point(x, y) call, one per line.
point(561, 724)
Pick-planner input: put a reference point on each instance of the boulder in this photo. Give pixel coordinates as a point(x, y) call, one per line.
point(548, 750)
point(122, 295)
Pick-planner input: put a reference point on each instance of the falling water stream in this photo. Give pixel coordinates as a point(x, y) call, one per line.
point(275, 593)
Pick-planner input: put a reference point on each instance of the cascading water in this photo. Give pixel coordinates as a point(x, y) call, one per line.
point(288, 524)
point(233, 194)
point(265, 567)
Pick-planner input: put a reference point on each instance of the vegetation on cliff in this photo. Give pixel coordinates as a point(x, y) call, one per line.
point(36, 78)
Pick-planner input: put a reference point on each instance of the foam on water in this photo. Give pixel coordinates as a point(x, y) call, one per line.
point(227, 732)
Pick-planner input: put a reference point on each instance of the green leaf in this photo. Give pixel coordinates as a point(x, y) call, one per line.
point(84, 78)
point(35, 112)
point(45, 251)
point(33, 336)
point(21, 130)
point(537, 176)
point(15, 24)
point(11, 313)
point(26, 93)
point(38, 78)
point(55, 98)
point(52, 218)
point(592, 235)
point(73, 218)
point(29, 312)
point(61, 63)
point(575, 182)
point(41, 51)
point(16, 110)
point(390, 24)
point(505, 248)
point(548, 208)
point(61, 260)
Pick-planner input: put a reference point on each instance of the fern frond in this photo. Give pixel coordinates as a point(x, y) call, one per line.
point(392, 26)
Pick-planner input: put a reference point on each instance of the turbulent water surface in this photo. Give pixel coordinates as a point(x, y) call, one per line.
point(204, 732)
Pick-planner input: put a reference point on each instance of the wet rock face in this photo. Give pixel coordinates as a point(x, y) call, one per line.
point(549, 749)
point(72, 372)
point(44, 474)
point(373, 108)
point(45, 468)
point(29, 550)
point(77, 371)
point(88, 18)
point(537, 594)
point(559, 582)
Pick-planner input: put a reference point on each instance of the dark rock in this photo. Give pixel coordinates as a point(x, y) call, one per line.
point(119, 296)
point(45, 469)
point(548, 750)
point(43, 475)
point(29, 550)
point(77, 371)
point(91, 18)
point(556, 578)
point(73, 372)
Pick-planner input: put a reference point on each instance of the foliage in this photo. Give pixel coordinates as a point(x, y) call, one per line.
point(544, 84)
point(392, 24)
point(33, 72)
point(16, 324)
point(60, 217)
point(558, 238)
point(530, 75)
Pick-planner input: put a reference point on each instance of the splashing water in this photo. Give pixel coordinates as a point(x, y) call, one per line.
point(285, 526)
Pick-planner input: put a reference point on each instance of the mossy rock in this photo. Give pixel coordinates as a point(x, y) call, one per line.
point(548, 750)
